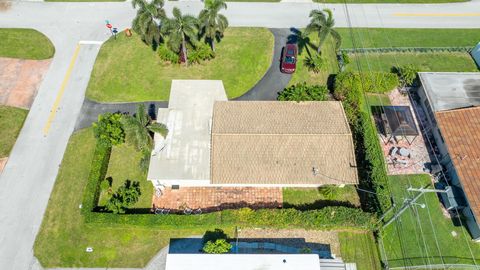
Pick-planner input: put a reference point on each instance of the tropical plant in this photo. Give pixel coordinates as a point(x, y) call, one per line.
point(218, 247)
point(200, 53)
point(407, 74)
point(302, 39)
point(181, 29)
point(109, 130)
point(322, 22)
point(330, 192)
point(314, 63)
point(212, 24)
point(214, 235)
point(167, 55)
point(345, 58)
point(140, 127)
point(146, 22)
point(125, 197)
point(303, 92)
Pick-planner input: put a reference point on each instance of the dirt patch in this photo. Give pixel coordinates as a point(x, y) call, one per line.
point(5, 5)
point(300, 238)
point(3, 162)
point(20, 80)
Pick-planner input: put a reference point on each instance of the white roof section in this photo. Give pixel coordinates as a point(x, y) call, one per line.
point(242, 262)
point(185, 153)
point(451, 90)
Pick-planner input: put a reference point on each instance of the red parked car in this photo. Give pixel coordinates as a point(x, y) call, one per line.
point(289, 58)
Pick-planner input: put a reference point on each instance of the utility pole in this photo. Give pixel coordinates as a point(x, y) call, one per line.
point(409, 202)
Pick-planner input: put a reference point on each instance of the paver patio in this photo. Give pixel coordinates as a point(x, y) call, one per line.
point(216, 198)
point(20, 80)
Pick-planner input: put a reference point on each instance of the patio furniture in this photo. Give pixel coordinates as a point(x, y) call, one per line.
point(393, 151)
point(197, 212)
point(404, 152)
point(158, 211)
point(187, 211)
point(397, 121)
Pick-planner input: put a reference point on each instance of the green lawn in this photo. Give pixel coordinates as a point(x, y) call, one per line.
point(312, 198)
point(435, 62)
point(377, 99)
point(411, 240)
point(389, 1)
point(253, 0)
point(25, 44)
point(123, 166)
point(128, 70)
point(330, 66)
point(11, 122)
point(405, 37)
point(64, 236)
point(359, 248)
point(84, 0)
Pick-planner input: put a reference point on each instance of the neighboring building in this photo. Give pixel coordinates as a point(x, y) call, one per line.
point(476, 54)
point(215, 142)
point(450, 101)
point(253, 262)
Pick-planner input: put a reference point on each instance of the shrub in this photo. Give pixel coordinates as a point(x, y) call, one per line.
point(346, 58)
point(306, 250)
point(407, 74)
point(167, 55)
point(200, 53)
point(218, 247)
point(372, 82)
point(125, 197)
point(330, 191)
point(104, 185)
point(314, 63)
point(303, 92)
point(108, 130)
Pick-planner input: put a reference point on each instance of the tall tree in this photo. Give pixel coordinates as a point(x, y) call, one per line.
point(146, 23)
point(213, 24)
point(322, 22)
point(180, 29)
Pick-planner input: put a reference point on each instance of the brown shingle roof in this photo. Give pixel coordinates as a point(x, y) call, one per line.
point(461, 132)
point(258, 142)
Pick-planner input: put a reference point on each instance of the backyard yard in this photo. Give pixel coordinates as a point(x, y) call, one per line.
point(313, 198)
point(361, 249)
point(424, 236)
point(128, 70)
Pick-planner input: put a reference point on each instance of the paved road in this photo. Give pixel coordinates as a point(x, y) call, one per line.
point(29, 175)
point(91, 110)
point(273, 81)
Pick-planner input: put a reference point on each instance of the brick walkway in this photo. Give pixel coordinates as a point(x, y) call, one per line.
point(20, 80)
point(217, 198)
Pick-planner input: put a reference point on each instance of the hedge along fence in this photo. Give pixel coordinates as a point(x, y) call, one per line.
point(98, 171)
point(350, 88)
point(408, 50)
point(325, 218)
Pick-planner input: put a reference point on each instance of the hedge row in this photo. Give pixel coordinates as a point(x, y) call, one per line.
point(325, 218)
point(98, 171)
point(408, 50)
point(350, 88)
point(371, 82)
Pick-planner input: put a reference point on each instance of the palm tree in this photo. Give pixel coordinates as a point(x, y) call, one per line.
point(145, 23)
point(213, 24)
point(180, 30)
point(140, 127)
point(322, 22)
point(300, 38)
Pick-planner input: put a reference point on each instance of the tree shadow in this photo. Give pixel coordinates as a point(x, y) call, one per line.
point(318, 204)
point(301, 39)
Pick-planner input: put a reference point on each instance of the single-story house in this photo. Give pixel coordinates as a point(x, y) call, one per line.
point(215, 142)
point(200, 261)
point(451, 102)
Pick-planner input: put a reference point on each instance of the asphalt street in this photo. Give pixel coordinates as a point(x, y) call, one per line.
point(30, 173)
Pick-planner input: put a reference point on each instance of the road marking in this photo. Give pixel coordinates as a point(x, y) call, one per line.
point(90, 42)
point(53, 111)
point(472, 14)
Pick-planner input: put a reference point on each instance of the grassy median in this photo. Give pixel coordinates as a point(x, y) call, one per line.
point(25, 44)
point(11, 122)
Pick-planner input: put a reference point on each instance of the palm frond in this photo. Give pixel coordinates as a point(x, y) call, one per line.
point(158, 128)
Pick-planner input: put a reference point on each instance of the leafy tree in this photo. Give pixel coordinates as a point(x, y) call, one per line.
point(213, 24)
point(214, 235)
point(218, 247)
point(303, 92)
point(109, 130)
point(181, 29)
point(407, 74)
point(322, 22)
point(139, 129)
point(145, 24)
point(125, 197)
